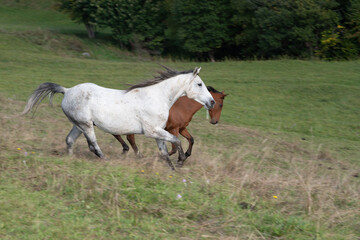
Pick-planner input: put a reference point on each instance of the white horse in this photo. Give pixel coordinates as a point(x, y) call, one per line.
point(141, 109)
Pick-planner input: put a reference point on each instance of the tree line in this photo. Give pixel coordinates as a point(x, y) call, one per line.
point(218, 29)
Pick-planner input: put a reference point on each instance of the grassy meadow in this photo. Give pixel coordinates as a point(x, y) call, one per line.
point(282, 164)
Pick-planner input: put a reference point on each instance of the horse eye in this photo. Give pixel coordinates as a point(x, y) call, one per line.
point(199, 84)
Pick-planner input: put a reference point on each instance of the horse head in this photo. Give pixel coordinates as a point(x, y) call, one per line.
point(215, 112)
point(198, 91)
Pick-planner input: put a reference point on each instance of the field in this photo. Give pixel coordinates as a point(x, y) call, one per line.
point(282, 164)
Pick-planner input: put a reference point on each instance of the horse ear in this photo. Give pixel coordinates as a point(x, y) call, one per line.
point(196, 71)
point(224, 95)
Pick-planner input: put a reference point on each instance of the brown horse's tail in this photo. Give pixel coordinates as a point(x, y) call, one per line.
point(45, 89)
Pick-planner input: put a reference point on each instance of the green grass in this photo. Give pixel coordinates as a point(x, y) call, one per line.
point(108, 201)
point(289, 128)
point(24, 19)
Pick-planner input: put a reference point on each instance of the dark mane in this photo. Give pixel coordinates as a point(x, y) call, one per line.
point(211, 89)
point(163, 75)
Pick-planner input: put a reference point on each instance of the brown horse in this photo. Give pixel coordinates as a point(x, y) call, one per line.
point(180, 115)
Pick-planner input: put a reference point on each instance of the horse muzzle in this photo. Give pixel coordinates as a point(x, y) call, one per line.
point(214, 122)
point(209, 105)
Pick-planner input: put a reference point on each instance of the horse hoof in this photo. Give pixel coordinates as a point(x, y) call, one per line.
point(179, 164)
point(172, 167)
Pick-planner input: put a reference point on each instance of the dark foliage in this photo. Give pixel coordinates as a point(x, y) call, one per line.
point(216, 29)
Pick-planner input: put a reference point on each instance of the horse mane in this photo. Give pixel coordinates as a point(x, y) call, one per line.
point(163, 75)
point(211, 89)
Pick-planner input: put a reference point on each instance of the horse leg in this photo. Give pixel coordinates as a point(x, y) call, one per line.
point(71, 138)
point(131, 139)
point(89, 133)
point(123, 143)
point(174, 132)
point(184, 132)
point(164, 152)
point(161, 134)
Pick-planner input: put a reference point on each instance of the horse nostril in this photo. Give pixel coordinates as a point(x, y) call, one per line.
point(213, 121)
point(212, 102)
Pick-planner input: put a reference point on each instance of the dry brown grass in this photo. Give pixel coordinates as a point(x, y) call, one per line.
point(257, 166)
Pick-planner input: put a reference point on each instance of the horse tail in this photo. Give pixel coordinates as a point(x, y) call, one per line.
point(45, 89)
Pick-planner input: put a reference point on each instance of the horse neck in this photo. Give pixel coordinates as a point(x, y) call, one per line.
point(172, 89)
point(187, 105)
